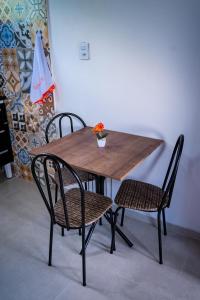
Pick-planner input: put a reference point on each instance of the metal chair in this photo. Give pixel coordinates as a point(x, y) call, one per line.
point(146, 197)
point(60, 125)
point(63, 124)
point(76, 208)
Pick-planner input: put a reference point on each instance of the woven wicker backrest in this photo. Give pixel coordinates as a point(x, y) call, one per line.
point(63, 124)
point(170, 178)
point(47, 163)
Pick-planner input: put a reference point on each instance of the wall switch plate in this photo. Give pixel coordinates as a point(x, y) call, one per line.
point(84, 50)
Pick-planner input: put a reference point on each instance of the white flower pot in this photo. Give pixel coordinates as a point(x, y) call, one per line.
point(101, 142)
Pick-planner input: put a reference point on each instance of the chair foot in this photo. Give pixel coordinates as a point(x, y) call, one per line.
point(159, 239)
point(62, 231)
point(50, 243)
point(83, 257)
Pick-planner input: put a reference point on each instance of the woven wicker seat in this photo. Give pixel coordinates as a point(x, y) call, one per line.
point(140, 196)
point(143, 196)
point(95, 207)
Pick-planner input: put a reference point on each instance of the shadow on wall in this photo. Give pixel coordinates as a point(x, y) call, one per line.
point(152, 168)
point(187, 194)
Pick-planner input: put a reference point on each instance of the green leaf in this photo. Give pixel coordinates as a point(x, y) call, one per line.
point(101, 135)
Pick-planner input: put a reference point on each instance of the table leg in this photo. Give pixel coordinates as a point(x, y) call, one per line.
point(100, 184)
point(118, 230)
point(100, 190)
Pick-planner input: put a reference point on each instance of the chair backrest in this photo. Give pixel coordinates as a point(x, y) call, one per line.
point(48, 164)
point(63, 124)
point(170, 178)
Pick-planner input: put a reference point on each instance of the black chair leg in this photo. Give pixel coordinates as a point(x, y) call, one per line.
point(159, 239)
point(50, 243)
point(122, 217)
point(62, 231)
point(90, 232)
point(83, 257)
point(79, 231)
point(100, 221)
point(85, 185)
point(164, 222)
point(112, 247)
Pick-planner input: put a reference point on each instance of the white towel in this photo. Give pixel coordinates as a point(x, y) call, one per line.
point(42, 84)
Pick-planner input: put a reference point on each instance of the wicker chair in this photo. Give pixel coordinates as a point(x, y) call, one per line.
point(76, 208)
point(146, 197)
point(60, 125)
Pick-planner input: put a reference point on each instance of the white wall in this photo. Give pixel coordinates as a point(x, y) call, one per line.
point(143, 77)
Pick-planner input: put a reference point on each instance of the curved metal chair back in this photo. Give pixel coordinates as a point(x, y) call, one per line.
point(170, 178)
point(63, 124)
point(45, 163)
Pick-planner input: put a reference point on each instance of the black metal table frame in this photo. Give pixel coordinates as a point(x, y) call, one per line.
point(100, 190)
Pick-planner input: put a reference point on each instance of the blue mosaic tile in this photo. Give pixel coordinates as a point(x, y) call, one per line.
point(5, 11)
point(52, 130)
point(22, 35)
point(25, 80)
point(38, 10)
point(24, 157)
point(7, 36)
point(19, 10)
point(34, 140)
point(25, 59)
point(17, 104)
point(13, 83)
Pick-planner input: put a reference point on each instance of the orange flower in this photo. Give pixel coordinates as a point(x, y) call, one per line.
point(98, 128)
point(99, 131)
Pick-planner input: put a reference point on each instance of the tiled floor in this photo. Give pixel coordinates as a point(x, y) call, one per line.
point(130, 273)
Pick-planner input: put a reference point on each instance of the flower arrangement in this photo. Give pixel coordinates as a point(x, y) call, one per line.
point(99, 131)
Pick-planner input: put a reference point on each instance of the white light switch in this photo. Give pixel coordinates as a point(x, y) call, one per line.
point(84, 50)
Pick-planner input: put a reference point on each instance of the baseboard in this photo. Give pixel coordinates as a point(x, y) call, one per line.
point(148, 218)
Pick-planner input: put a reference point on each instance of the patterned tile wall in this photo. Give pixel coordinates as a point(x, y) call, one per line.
point(19, 21)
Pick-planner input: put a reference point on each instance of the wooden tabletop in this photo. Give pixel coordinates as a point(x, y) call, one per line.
point(122, 153)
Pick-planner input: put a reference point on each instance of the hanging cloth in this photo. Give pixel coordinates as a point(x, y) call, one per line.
point(41, 84)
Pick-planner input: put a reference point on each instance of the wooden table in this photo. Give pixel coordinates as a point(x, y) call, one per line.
point(122, 153)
